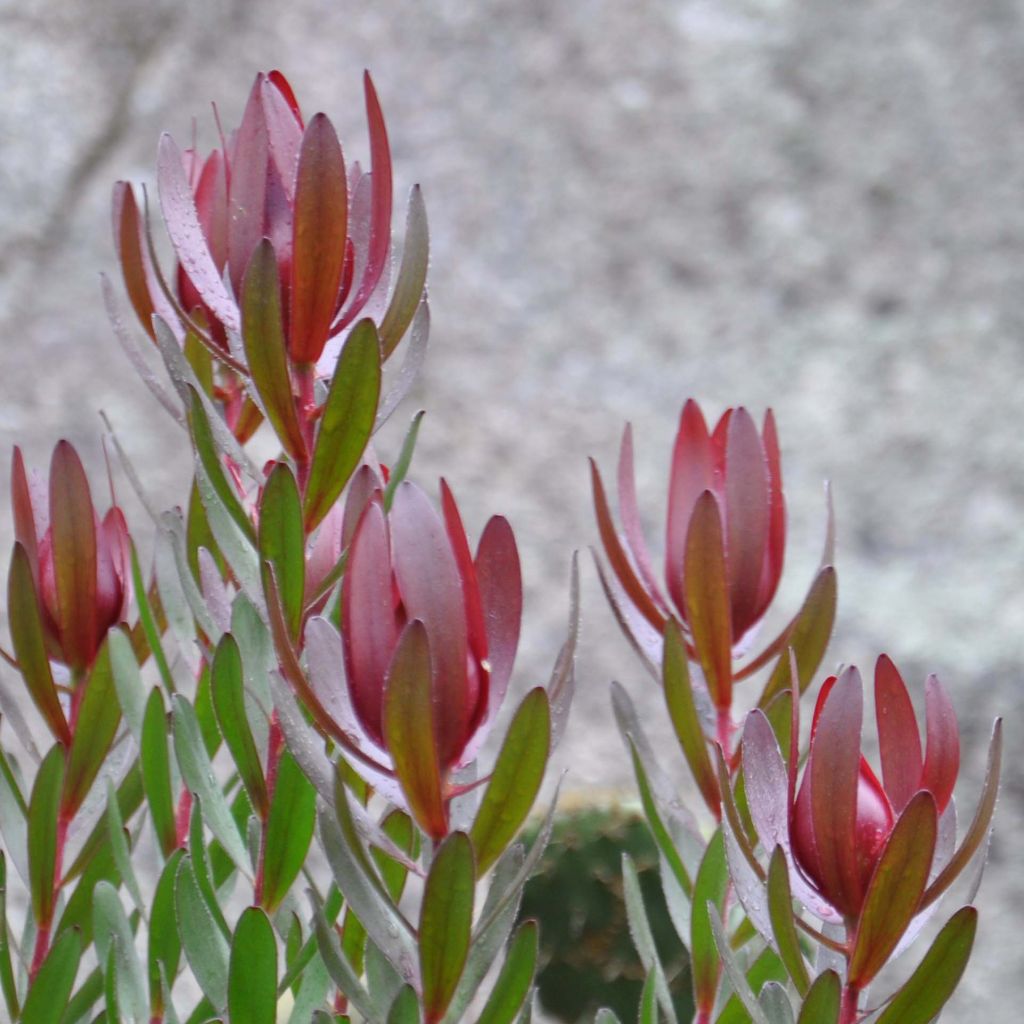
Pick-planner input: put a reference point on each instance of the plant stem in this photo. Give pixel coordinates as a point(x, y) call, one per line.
point(848, 1007)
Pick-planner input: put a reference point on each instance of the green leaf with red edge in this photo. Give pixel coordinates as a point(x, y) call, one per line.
point(979, 827)
point(263, 338)
point(228, 692)
point(206, 450)
point(252, 969)
point(895, 889)
point(410, 732)
point(933, 982)
point(515, 780)
point(682, 711)
point(706, 583)
point(282, 542)
point(446, 917)
point(513, 985)
point(26, 628)
point(412, 275)
point(43, 814)
point(50, 991)
point(821, 1004)
point(289, 831)
point(98, 717)
point(319, 233)
point(710, 885)
point(780, 910)
point(808, 636)
point(346, 422)
point(128, 243)
point(73, 534)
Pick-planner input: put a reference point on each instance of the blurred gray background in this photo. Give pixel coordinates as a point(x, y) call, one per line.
point(800, 203)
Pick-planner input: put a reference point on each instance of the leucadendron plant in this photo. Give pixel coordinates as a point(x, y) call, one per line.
point(802, 875)
point(275, 767)
point(264, 797)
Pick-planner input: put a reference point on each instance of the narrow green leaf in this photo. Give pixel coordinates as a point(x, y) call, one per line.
point(513, 985)
point(775, 1005)
point(406, 1008)
point(346, 422)
point(733, 970)
point(131, 693)
point(77, 913)
point(767, 967)
point(202, 858)
point(412, 275)
point(148, 621)
point(263, 337)
point(404, 460)
point(683, 713)
point(197, 771)
point(289, 831)
point(446, 917)
point(43, 812)
point(164, 952)
point(821, 1004)
point(938, 974)
point(227, 690)
point(808, 636)
point(252, 970)
point(282, 542)
point(51, 990)
point(398, 827)
point(339, 968)
point(643, 937)
point(7, 984)
point(409, 730)
point(205, 947)
point(710, 886)
point(515, 781)
point(206, 449)
point(120, 848)
point(156, 772)
point(780, 909)
point(648, 1001)
point(26, 628)
point(115, 946)
point(98, 718)
point(895, 890)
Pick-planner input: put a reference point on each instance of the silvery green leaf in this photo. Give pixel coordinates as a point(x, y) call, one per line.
point(312, 992)
point(338, 967)
point(113, 932)
point(733, 969)
point(204, 944)
point(257, 650)
point(120, 849)
point(13, 823)
point(606, 1016)
point(775, 1004)
point(643, 937)
point(381, 979)
point(676, 901)
point(131, 692)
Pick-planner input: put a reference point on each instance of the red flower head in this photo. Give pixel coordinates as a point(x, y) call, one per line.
point(843, 816)
point(726, 537)
point(429, 635)
point(80, 565)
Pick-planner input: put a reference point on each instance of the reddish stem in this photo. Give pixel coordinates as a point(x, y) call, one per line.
point(725, 730)
point(275, 747)
point(848, 1007)
point(305, 374)
point(183, 816)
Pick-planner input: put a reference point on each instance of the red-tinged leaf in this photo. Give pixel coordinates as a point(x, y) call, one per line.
point(284, 87)
point(346, 422)
point(30, 646)
point(942, 754)
point(895, 889)
point(263, 337)
point(682, 710)
point(43, 818)
point(898, 737)
point(178, 205)
point(446, 918)
point(412, 276)
point(98, 718)
point(318, 239)
point(247, 187)
point(978, 830)
point(747, 504)
point(284, 131)
point(515, 780)
point(937, 976)
point(617, 557)
point(691, 476)
point(500, 584)
point(130, 253)
point(780, 909)
point(410, 730)
point(777, 515)
point(73, 554)
point(834, 764)
point(821, 1004)
point(212, 206)
point(707, 597)
point(282, 542)
point(630, 515)
point(710, 886)
point(227, 688)
point(766, 780)
point(808, 636)
point(380, 202)
point(428, 581)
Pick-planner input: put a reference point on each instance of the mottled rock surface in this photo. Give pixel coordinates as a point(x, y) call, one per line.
point(795, 202)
